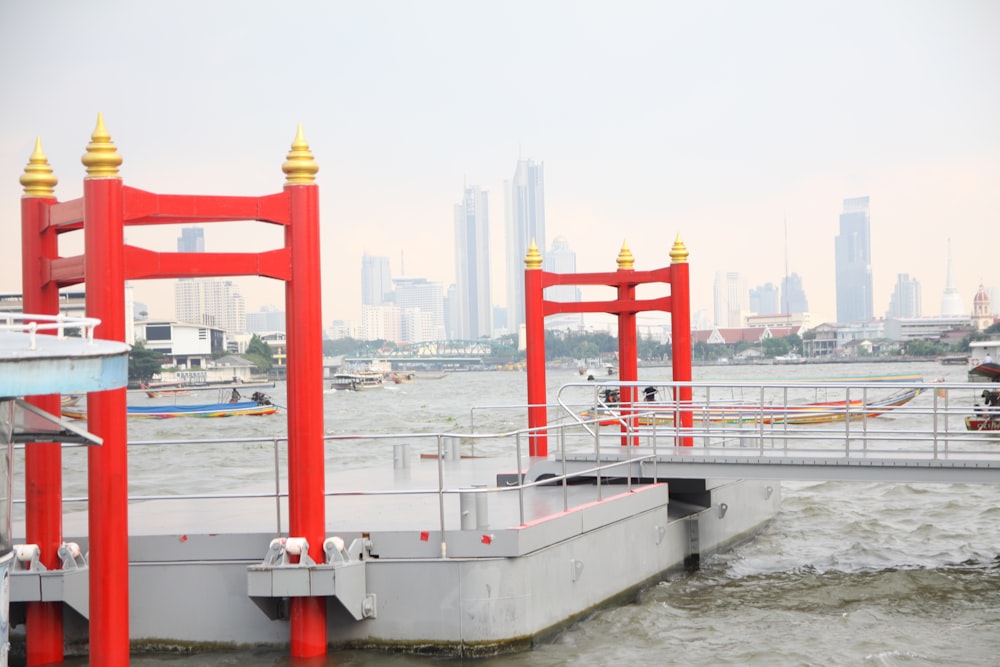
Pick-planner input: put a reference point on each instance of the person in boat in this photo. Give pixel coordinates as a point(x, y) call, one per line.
point(649, 394)
point(987, 359)
point(590, 378)
point(235, 396)
point(991, 405)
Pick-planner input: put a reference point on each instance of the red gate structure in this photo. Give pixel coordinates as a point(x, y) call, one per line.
point(625, 307)
point(105, 209)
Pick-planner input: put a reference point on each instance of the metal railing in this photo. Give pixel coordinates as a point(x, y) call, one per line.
point(835, 418)
point(32, 324)
point(822, 420)
point(445, 447)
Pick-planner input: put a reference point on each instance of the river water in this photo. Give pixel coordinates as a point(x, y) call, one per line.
point(847, 574)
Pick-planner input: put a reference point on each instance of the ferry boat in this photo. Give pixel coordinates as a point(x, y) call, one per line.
point(357, 381)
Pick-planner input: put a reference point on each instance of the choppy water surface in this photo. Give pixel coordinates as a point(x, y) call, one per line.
point(847, 574)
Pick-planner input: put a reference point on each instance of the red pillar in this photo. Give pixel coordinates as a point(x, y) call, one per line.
point(628, 367)
point(42, 461)
point(534, 329)
point(107, 465)
point(680, 329)
point(303, 308)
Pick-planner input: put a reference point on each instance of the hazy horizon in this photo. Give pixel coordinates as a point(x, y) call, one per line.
point(721, 122)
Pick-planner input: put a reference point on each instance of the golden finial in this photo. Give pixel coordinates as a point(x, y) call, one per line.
point(300, 167)
point(38, 179)
point(101, 159)
point(626, 262)
point(679, 253)
point(533, 260)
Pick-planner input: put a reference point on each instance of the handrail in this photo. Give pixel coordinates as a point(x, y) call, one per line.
point(773, 424)
point(31, 324)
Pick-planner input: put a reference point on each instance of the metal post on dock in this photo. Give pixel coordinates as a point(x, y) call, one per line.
point(474, 509)
point(401, 456)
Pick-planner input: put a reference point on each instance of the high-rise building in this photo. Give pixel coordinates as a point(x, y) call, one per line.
point(376, 280)
point(216, 303)
point(525, 222)
point(381, 322)
point(224, 306)
point(472, 265)
point(188, 303)
point(269, 319)
point(732, 300)
point(561, 259)
point(905, 299)
point(426, 297)
point(951, 300)
point(343, 329)
point(764, 299)
point(793, 296)
point(854, 263)
point(192, 239)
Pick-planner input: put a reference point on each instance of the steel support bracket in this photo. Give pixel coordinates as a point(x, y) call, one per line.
point(271, 582)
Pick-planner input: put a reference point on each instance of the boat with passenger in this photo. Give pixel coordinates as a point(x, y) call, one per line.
point(357, 381)
point(259, 404)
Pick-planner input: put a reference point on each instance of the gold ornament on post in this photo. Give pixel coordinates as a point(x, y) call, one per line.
point(38, 179)
point(300, 168)
point(101, 159)
point(533, 260)
point(679, 253)
point(626, 262)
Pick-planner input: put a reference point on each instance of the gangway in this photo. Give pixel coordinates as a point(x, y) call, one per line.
point(907, 431)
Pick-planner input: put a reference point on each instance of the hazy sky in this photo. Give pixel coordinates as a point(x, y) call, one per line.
point(721, 121)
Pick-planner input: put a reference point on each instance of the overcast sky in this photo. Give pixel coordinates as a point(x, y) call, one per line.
point(721, 121)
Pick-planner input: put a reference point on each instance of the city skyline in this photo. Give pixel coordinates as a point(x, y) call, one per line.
point(727, 124)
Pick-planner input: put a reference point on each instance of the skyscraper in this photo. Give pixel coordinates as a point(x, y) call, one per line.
point(764, 299)
point(224, 305)
point(561, 259)
point(905, 299)
point(732, 300)
point(854, 263)
point(192, 239)
point(525, 222)
point(217, 303)
point(419, 294)
point(376, 280)
point(472, 265)
point(188, 301)
point(793, 296)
